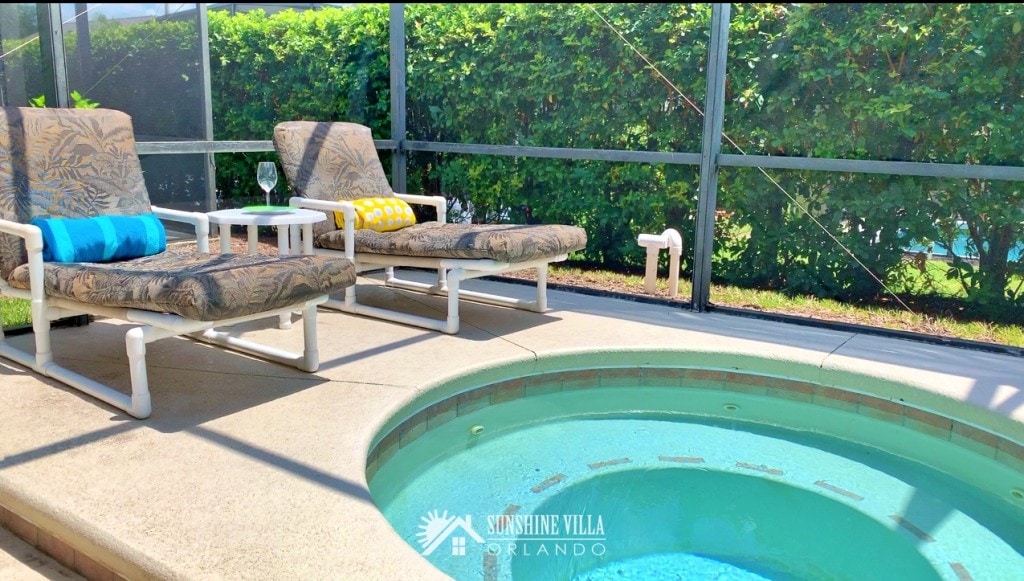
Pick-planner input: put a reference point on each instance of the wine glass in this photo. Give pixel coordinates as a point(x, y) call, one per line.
point(266, 176)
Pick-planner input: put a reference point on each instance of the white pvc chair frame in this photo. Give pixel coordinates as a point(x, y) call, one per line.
point(450, 272)
point(154, 325)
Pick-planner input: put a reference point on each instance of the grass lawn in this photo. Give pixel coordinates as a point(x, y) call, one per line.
point(944, 316)
point(894, 317)
point(947, 320)
point(15, 312)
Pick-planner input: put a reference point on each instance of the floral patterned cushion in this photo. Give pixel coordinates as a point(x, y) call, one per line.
point(69, 163)
point(330, 161)
point(501, 242)
point(200, 286)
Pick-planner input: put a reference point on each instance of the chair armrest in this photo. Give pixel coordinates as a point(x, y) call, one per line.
point(32, 235)
point(346, 208)
point(322, 205)
point(33, 238)
point(438, 202)
point(197, 219)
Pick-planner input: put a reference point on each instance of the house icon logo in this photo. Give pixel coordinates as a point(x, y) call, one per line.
point(437, 528)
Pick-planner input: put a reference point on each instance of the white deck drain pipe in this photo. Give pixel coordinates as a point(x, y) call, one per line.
point(670, 239)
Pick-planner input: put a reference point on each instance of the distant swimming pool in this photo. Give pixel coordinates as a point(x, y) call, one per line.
point(688, 473)
point(964, 248)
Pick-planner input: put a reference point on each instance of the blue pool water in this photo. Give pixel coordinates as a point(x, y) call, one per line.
point(519, 493)
point(669, 567)
point(963, 248)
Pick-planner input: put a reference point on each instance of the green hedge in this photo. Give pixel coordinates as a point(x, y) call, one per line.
point(910, 82)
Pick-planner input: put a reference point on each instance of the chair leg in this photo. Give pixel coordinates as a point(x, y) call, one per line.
point(137, 405)
point(439, 288)
point(310, 350)
point(135, 347)
point(139, 402)
point(449, 283)
point(454, 279)
point(442, 280)
point(308, 360)
point(350, 298)
point(41, 330)
point(542, 289)
point(350, 304)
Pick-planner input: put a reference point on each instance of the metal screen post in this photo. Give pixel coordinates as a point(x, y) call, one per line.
point(714, 113)
point(398, 109)
point(59, 59)
point(203, 21)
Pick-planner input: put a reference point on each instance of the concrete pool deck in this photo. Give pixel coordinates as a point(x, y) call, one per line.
point(249, 469)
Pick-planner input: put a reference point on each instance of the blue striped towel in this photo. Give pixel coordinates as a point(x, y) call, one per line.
point(101, 238)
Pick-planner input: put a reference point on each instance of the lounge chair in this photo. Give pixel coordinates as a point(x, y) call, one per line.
point(71, 190)
point(334, 167)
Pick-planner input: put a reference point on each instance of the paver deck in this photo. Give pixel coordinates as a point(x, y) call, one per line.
point(251, 470)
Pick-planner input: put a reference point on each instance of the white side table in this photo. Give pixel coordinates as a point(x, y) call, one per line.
point(289, 221)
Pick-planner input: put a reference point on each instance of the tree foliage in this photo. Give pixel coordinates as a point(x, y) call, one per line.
point(930, 83)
